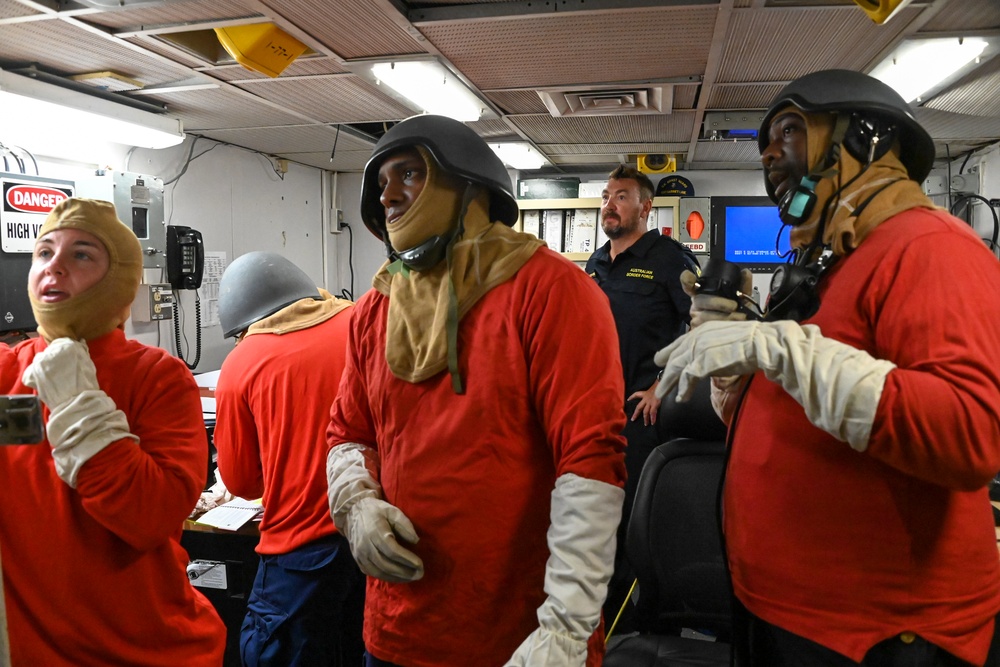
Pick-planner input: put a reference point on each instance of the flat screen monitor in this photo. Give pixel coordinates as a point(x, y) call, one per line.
point(748, 232)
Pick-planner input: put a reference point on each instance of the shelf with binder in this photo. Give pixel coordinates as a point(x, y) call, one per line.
point(573, 226)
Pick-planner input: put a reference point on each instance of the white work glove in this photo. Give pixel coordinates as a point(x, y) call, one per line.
point(839, 386)
point(83, 420)
point(710, 307)
point(584, 519)
point(725, 391)
point(370, 524)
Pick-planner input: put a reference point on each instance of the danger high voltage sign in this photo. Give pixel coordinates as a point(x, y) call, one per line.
point(25, 205)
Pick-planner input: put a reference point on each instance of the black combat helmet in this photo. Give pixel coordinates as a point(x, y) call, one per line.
point(846, 91)
point(459, 151)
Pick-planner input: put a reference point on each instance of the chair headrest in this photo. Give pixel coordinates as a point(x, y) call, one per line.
point(694, 418)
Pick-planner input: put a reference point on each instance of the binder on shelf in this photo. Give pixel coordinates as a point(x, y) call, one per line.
point(531, 222)
point(567, 231)
point(552, 228)
point(583, 234)
point(574, 225)
point(652, 219)
point(602, 238)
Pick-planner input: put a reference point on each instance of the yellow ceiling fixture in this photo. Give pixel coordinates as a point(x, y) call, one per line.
point(656, 163)
point(261, 47)
point(881, 11)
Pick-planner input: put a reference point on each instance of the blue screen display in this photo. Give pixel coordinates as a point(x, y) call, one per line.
point(750, 235)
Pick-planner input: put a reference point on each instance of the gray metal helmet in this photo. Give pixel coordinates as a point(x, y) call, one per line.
point(259, 284)
point(457, 148)
point(840, 90)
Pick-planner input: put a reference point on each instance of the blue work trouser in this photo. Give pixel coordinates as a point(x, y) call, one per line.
point(306, 609)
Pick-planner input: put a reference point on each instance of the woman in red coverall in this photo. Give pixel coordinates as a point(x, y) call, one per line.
point(93, 570)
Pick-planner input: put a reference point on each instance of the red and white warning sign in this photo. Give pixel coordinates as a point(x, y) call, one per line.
point(25, 205)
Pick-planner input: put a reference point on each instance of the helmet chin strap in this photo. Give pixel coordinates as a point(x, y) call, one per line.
point(428, 254)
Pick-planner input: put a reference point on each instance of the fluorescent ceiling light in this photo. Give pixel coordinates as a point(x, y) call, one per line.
point(519, 155)
point(431, 87)
point(919, 66)
point(32, 109)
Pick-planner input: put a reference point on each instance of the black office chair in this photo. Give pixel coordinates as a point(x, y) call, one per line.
point(695, 418)
point(674, 546)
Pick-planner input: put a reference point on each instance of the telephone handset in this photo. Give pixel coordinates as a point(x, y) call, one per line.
point(185, 267)
point(185, 257)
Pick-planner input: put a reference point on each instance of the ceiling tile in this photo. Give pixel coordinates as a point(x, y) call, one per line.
point(171, 13)
point(350, 28)
point(61, 48)
point(576, 48)
point(545, 129)
point(330, 99)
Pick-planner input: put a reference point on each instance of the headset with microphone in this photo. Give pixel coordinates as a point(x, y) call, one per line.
point(870, 118)
point(793, 294)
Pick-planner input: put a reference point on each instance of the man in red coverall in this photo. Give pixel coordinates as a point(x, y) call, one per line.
point(273, 404)
point(857, 515)
point(475, 461)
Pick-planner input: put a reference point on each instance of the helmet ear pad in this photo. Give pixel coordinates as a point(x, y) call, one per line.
point(865, 128)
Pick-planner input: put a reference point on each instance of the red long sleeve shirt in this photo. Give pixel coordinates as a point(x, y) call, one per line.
point(849, 548)
point(273, 405)
point(474, 472)
point(96, 575)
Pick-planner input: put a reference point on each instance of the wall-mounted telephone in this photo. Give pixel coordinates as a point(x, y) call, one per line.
point(185, 266)
point(185, 257)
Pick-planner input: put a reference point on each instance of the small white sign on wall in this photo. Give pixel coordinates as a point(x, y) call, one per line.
point(208, 293)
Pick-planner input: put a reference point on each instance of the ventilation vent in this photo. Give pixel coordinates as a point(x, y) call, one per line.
point(607, 101)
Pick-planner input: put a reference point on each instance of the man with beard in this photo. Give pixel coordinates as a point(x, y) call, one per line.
point(865, 429)
point(639, 271)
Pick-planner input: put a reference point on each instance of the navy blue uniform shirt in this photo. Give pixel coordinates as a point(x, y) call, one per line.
point(648, 304)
